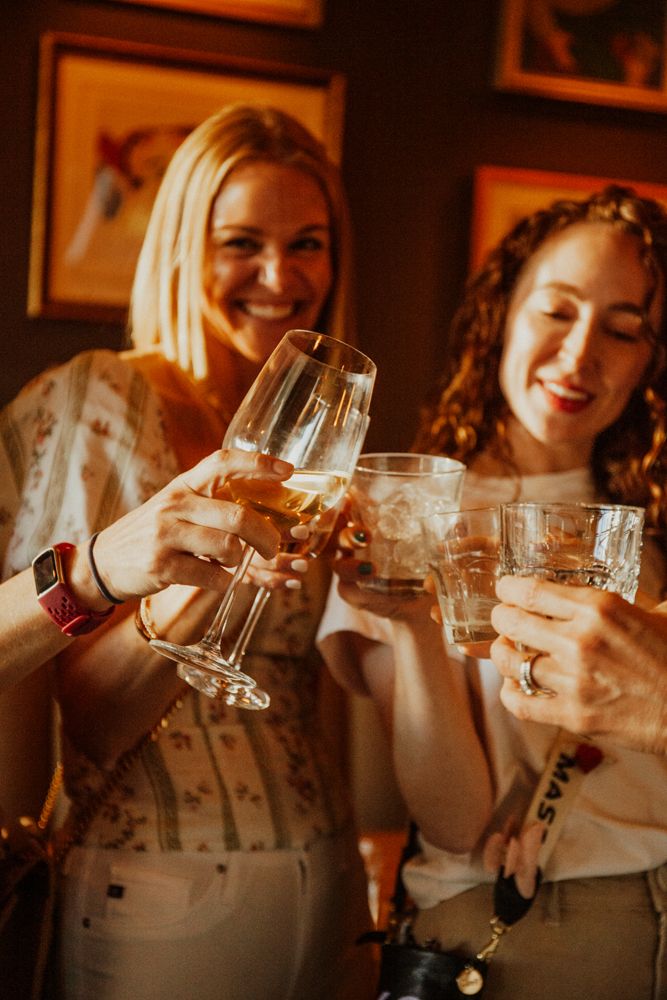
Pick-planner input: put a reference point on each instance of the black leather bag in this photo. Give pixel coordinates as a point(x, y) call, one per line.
point(410, 971)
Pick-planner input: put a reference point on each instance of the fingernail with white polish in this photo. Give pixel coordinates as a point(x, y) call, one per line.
point(299, 565)
point(293, 584)
point(300, 531)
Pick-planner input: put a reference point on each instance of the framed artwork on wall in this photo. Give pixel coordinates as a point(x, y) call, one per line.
point(597, 51)
point(504, 195)
point(110, 115)
point(293, 13)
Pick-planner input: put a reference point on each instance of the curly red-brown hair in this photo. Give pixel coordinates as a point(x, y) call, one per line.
point(467, 413)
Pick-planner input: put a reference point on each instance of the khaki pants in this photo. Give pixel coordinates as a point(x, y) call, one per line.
point(584, 939)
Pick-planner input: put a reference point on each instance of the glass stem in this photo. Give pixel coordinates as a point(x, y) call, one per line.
point(219, 623)
point(238, 652)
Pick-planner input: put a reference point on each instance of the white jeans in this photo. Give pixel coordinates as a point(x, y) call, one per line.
point(259, 925)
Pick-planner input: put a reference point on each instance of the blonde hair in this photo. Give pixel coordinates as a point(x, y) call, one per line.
point(467, 413)
point(169, 305)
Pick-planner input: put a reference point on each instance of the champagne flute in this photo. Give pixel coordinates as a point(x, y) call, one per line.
point(321, 527)
point(308, 406)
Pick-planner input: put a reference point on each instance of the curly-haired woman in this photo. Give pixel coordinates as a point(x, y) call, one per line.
point(555, 389)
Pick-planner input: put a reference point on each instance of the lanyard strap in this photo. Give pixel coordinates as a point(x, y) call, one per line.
point(570, 759)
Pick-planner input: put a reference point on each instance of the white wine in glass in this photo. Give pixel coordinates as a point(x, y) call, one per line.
point(321, 529)
point(308, 406)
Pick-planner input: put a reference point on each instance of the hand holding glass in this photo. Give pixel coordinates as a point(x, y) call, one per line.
point(390, 493)
point(582, 544)
point(308, 406)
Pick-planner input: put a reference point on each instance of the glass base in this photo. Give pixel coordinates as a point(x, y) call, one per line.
point(205, 670)
point(393, 586)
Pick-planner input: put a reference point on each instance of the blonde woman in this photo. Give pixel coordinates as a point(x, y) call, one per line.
point(225, 864)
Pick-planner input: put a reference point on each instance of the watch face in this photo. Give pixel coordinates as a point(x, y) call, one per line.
point(45, 571)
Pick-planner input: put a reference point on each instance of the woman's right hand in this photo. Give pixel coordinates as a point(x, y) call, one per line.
point(604, 658)
point(186, 534)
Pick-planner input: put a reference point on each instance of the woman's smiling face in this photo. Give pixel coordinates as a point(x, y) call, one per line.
point(270, 261)
point(575, 344)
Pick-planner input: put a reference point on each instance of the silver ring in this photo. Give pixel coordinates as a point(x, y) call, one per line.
point(527, 682)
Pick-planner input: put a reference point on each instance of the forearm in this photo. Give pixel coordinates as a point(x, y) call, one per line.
point(113, 686)
point(441, 766)
point(28, 638)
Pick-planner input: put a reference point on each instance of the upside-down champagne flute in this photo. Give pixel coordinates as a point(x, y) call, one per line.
point(308, 406)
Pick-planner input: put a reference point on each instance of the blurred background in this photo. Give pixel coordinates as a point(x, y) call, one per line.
point(421, 115)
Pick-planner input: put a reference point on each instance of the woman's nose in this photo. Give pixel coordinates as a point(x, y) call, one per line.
point(581, 345)
point(273, 270)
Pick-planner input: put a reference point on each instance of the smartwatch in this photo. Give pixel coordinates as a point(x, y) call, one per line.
point(55, 597)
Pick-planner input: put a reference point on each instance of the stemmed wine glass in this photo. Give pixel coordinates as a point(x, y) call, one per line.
point(321, 528)
point(308, 406)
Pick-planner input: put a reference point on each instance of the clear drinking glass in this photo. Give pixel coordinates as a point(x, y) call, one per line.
point(390, 494)
point(309, 406)
point(463, 552)
point(584, 544)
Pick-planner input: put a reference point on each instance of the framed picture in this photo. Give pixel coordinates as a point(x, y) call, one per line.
point(504, 195)
point(110, 115)
point(597, 51)
point(293, 13)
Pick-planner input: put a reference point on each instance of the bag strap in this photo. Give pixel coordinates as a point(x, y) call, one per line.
point(51, 797)
point(399, 900)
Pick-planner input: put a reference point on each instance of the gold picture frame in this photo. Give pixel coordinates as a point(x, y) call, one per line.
point(290, 13)
point(110, 114)
point(504, 195)
point(614, 55)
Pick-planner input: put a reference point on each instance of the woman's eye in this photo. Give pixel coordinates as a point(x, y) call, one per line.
point(626, 336)
point(237, 244)
point(308, 244)
point(558, 314)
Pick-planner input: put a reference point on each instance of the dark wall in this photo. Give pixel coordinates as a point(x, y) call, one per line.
point(420, 116)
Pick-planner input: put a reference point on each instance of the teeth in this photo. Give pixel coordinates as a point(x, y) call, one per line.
point(565, 392)
point(268, 312)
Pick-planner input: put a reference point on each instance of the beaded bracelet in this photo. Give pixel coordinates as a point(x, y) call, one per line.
point(143, 621)
point(106, 594)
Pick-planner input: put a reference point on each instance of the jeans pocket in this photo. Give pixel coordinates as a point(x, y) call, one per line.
point(150, 898)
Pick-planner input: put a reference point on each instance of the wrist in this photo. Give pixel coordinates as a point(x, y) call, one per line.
point(55, 595)
point(81, 580)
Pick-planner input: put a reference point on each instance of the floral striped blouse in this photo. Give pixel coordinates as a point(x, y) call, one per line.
point(81, 445)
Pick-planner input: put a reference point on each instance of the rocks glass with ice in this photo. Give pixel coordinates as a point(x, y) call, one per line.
point(390, 494)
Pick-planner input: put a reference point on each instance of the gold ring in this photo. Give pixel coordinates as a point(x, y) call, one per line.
point(527, 682)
